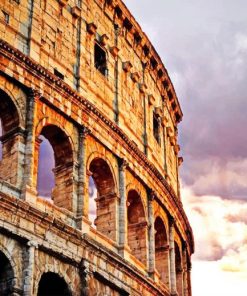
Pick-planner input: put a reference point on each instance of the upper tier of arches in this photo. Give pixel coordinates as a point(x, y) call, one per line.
point(109, 61)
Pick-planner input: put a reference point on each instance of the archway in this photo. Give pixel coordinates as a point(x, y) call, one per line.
point(46, 178)
point(93, 193)
point(161, 251)
point(106, 199)
point(55, 139)
point(51, 284)
point(6, 276)
point(10, 140)
point(137, 227)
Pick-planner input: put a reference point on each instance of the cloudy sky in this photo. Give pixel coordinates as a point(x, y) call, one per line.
point(203, 44)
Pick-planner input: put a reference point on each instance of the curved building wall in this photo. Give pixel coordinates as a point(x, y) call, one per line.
point(86, 78)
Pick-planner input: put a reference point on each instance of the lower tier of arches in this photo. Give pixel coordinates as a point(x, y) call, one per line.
point(40, 255)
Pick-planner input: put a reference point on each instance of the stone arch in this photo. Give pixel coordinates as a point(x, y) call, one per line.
point(7, 276)
point(97, 154)
point(9, 113)
point(53, 284)
point(18, 98)
point(62, 193)
point(137, 226)
point(50, 121)
point(12, 136)
point(140, 192)
point(106, 201)
point(179, 269)
point(161, 250)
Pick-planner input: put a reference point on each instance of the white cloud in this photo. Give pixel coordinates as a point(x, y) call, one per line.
point(208, 279)
point(220, 230)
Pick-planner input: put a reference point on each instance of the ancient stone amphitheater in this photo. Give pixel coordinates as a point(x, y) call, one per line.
point(83, 77)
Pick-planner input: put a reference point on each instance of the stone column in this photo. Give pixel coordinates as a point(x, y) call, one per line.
point(29, 270)
point(180, 283)
point(173, 287)
point(122, 228)
point(185, 279)
point(27, 186)
point(82, 177)
point(151, 234)
point(86, 276)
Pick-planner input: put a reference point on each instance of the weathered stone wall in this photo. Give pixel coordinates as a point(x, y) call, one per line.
point(115, 123)
point(58, 37)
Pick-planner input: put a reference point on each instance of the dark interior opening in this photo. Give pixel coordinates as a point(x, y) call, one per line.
point(6, 276)
point(100, 59)
point(52, 284)
point(156, 128)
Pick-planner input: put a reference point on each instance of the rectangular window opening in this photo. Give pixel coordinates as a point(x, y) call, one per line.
point(6, 17)
point(156, 128)
point(100, 59)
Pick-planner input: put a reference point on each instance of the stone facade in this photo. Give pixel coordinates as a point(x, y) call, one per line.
point(83, 75)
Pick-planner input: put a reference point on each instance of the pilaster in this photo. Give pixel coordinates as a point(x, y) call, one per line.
point(151, 234)
point(28, 190)
point(173, 286)
point(29, 270)
point(82, 178)
point(122, 205)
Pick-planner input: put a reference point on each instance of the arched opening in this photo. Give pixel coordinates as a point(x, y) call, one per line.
point(8, 113)
point(53, 285)
point(179, 270)
point(106, 199)
point(161, 250)
point(137, 227)
point(46, 179)
point(54, 150)
point(93, 193)
point(10, 140)
point(6, 276)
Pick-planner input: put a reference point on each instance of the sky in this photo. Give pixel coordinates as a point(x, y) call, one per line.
point(203, 45)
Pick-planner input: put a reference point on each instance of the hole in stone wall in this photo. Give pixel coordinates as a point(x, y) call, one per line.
point(156, 131)
point(106, 202)
point(6, 16)
point(93, 193)
point(161, 250)
point(62, 193)
point(6, 276)
point(46, 179)
point(10, 151)
point(54, 285)
point(100, 59)
point(137, 227)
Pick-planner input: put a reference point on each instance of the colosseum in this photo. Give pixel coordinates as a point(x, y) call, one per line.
point(89, 188)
